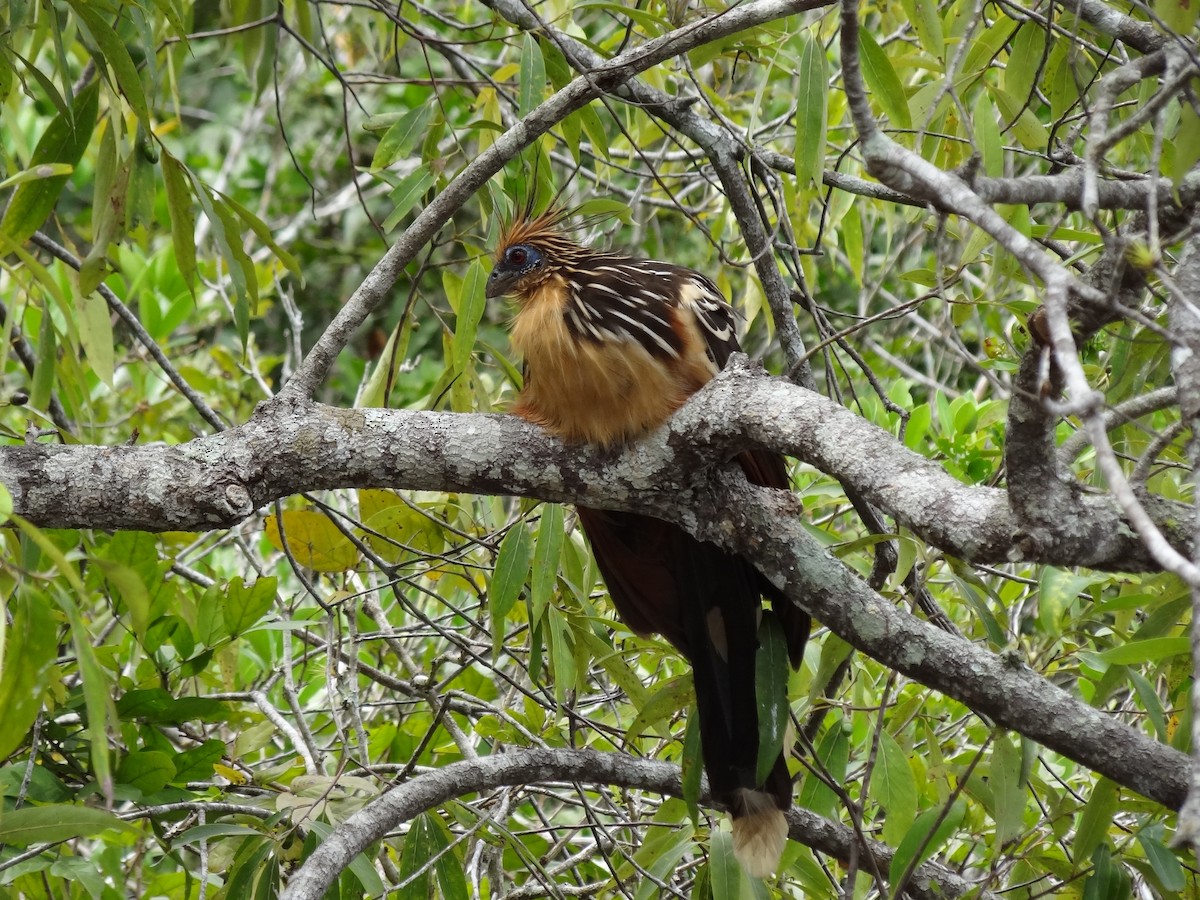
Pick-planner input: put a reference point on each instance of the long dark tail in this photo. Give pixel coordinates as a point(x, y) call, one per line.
point(707, 602)
point(720, 598)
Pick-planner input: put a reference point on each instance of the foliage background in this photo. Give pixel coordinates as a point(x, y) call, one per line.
point(188, 714)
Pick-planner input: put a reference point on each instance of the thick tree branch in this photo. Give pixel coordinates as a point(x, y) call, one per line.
point(289, 447)
point(298, 445)
point(542, 765)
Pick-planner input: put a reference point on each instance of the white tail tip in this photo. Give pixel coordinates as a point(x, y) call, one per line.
point(759, 838)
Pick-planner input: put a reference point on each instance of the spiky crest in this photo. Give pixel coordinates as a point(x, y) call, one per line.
point(549, 232)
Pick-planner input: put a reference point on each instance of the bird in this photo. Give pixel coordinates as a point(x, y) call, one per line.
point(612, 346)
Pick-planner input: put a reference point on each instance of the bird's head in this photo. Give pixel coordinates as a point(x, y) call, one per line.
point(518, 268)
point(530, 250)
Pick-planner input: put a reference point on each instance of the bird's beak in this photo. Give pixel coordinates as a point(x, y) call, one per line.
point(499, 283)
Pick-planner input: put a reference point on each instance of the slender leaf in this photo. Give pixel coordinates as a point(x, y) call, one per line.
point(771, 670)
point(926, 837)
point(400, 139)
point(881, 78)
point(56, 822)
point(812, 94)
point(62, 143)
point(894, 788)
point(511, 573)
point(1095, 819)
point(546, 555)
point(531, 85)
point(116, 55)
point(30, 649)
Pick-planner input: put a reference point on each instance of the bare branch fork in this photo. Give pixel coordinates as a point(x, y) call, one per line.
point(904, 170)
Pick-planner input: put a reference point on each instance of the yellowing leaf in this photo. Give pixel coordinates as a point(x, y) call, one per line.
point(313, 540)
point(95, 333)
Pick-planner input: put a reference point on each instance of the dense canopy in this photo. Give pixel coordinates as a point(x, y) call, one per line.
point(273, 549)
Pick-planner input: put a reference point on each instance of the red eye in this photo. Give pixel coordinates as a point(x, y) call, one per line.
point(517, 256)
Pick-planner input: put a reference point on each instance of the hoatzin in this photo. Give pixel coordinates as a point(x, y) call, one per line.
point(612, 346)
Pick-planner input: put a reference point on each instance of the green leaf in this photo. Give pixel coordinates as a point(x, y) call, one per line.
point(97, 696)
point(1096, 818)
point(1025, 60)
point(415, 855)
point(406, 193)
point(30, 650)
point(1008, 790)
point(57, 822)
point(399, 140)
point(155, 706)
point(183, 218)
point(470, 312)
point(510, 575)
point(96, 335)
point(60, 143)
point(1059, 589)
point(851, 237)
point(148, 771)
point(1152, 650)
point(212, 831)
point(1179, 16)
point(1166, 865)
point(1107, 880)
point(130, 591)
point(724, 872)
point(531, 85)
point(923, 15)
point(771, 670)
point(450, 875)
point(246, 604)
point(987, 136)
point(894, 788)
point(987, 43)
point(546, 554)
point(1186, 144)
point(833, 751)
point(883, 82)
point(263, 233)
point(196, 763)
point(692, 763)
point(45, 370)
point(1025, 126)
point(664, 704)
point(45, 170)
point(812, 94)
point(562, 658)
point(173, 13)
point(925, 838)
point(249, 868)
point(603, 208)
point(662, 850)
point(116, 56)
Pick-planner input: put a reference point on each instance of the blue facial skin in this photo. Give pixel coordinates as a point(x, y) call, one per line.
point(519, 259)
